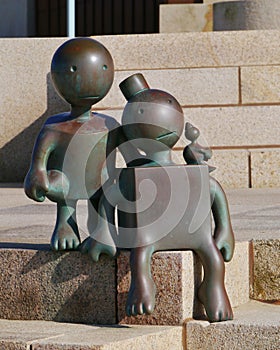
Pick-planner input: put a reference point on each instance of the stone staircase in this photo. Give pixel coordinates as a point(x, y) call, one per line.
point(52, 300)
point(228, 84)
point(256, 327)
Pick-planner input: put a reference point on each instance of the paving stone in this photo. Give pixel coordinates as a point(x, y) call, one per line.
point(118, 339)
point(256, 326)
point(265, 267)
point(255, 214)
point(24, 221)
point(42, 335)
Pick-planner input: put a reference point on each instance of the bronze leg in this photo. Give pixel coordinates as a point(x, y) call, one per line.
point(100, 221)
point(223, 233)
point(141, 296)
point(212, 291)
point(66, 234)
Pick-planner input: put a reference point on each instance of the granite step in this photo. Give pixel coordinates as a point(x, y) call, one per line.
point(44, 335)
point(68, 287)
point(40, 284)
point(256, 326)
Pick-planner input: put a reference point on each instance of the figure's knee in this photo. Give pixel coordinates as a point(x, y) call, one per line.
point(59, 186)
point(212, 259)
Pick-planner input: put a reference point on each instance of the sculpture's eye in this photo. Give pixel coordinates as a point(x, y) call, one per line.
point(73, 69)
point(141, 111)
point(105, 67)
point(169, 101)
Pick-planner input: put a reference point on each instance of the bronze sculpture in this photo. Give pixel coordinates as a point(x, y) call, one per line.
point(69, 156)
point(74, 158)
point(153, 121)
point(194, 153)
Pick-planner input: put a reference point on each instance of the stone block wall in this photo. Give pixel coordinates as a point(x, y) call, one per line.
point(227, 83)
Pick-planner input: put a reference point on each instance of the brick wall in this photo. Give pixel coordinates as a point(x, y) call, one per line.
point(228, 84)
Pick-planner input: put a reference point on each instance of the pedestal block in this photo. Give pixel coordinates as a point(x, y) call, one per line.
point(63, 287)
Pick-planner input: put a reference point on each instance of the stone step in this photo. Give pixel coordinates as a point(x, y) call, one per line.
point(265, 267)
point(226, 81)
point(69, 287)
point(256, 326)
point(65, 287)
point(43, 335)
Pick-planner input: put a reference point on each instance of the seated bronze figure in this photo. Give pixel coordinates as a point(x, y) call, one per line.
point(163, 206)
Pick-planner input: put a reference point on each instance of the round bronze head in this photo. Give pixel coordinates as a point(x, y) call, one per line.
point(82, 71)
point(151, 113)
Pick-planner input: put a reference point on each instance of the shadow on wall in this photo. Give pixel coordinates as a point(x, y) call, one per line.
point(15, 156)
